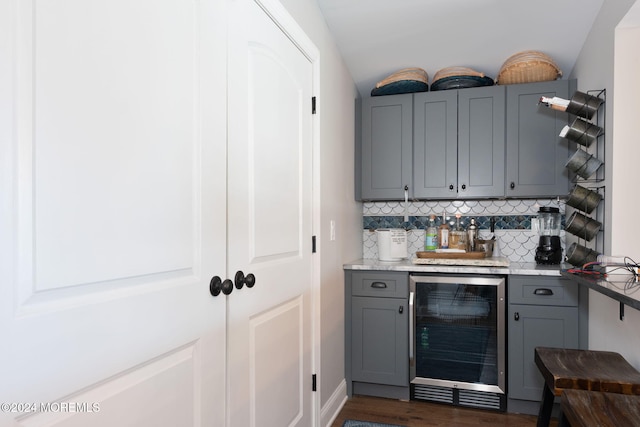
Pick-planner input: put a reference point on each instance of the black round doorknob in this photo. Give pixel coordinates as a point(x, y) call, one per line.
point(451, 187)
point(215, 286)
point(464, 186)
point(239, 279)
point(227, 287)
point(250, 280)
point(512, 185)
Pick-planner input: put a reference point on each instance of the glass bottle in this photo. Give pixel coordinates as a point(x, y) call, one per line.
point(443, 234)
point(424, 338)
point(431, 235)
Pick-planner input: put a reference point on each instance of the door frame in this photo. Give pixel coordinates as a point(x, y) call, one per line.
point(276, 11)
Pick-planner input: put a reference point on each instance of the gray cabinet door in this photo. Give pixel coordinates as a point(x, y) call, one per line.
point(435, 132)
point(481, 142)
point(531, 326)
point(380, 341)
point(459, 143)
point(386, 148)
point(536, 154)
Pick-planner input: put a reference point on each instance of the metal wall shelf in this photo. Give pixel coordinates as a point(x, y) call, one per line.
point(595, 182)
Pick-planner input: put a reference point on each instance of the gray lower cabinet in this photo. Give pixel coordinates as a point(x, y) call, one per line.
point(459, 143)
point(536, 154)
point(377, 333)
point(543, 311)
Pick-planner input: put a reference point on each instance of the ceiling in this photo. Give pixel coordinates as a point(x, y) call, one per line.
point(379, 37)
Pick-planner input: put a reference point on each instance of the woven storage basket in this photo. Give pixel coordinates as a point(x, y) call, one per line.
point(415, 73)
point(455, 71)
point(407, 80)
point(527, 67)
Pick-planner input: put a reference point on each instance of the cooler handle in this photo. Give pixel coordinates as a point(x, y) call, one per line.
point(412, 337)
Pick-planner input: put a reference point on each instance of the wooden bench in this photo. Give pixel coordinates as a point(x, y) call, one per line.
point(581, 408)
point(571, 369)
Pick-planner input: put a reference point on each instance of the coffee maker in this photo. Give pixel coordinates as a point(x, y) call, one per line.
point(549, 250)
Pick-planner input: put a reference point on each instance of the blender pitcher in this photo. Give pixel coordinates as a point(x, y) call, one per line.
point(548, 224)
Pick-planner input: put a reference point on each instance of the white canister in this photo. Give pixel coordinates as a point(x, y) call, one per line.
point(392, 244)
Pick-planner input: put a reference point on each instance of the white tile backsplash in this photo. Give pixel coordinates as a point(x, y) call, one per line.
point(518, 245)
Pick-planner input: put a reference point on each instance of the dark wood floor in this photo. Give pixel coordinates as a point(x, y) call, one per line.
point(423, 414)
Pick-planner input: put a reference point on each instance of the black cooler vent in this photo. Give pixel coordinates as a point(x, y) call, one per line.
point(480, 399)
point(459, 397)
point(433, 393)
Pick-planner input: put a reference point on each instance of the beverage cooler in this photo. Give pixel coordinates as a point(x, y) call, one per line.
point(457, 342)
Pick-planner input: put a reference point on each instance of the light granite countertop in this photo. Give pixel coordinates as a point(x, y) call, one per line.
point(529, 269)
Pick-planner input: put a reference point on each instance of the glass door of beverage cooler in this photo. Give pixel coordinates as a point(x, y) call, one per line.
point(458, 332)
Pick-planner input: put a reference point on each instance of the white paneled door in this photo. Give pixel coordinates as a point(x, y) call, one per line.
point(270, 221)
point(112, 173)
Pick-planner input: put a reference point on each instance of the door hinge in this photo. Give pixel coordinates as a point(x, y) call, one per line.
point(313, 383)
point(313, 244)
point(313, 105)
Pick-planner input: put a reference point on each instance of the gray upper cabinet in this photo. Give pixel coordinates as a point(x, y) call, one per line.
point(481, 142)
point(386, 149)
point(474, 143)
point(435, 161)
point(459, 143)
point(536, 154)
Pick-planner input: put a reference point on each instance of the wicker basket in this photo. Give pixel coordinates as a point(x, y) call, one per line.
point(527, 67)
point(415, 73)
point(455, 71)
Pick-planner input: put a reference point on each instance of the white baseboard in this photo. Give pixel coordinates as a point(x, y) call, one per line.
point(334, 405)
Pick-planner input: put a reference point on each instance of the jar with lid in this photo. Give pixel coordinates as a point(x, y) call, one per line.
point(458, 236)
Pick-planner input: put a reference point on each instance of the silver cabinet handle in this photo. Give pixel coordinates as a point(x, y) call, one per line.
point(412, 319)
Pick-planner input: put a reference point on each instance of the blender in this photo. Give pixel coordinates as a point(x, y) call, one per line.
point(548, 222)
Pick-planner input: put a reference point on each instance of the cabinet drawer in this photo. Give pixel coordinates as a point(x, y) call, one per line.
point(377, 284)
point(543, 290)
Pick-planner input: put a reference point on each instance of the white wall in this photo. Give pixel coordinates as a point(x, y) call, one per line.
point(610, 59)
point(336, 200)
